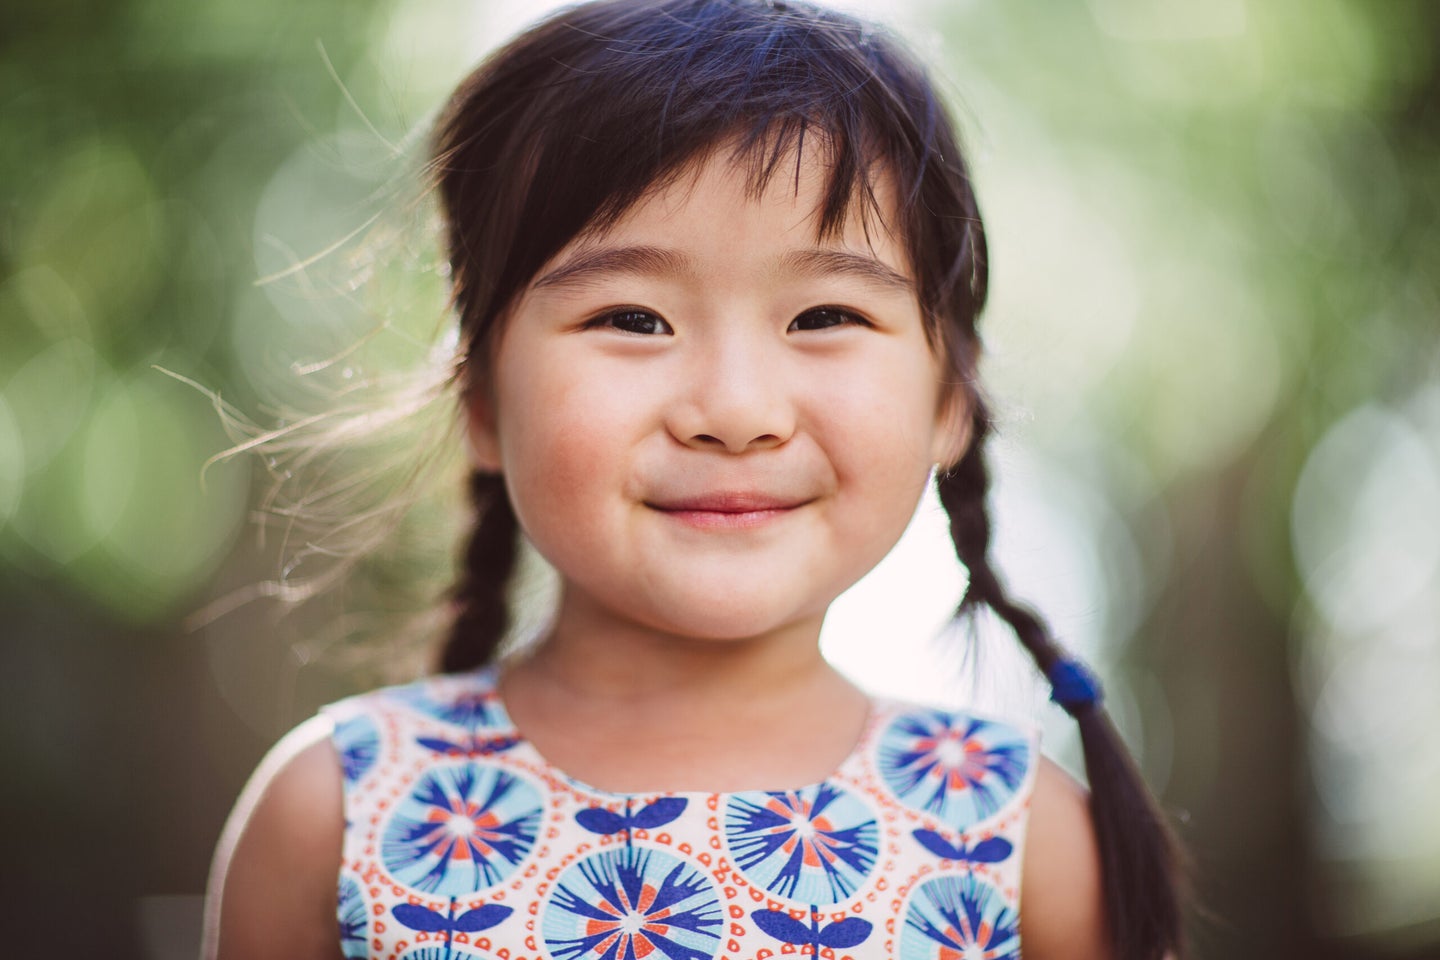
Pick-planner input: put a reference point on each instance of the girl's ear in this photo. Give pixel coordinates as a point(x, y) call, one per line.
point(481, 438)
point(953, 428)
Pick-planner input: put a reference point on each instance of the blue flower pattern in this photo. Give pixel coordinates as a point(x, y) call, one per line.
point(462, 829)
point(960, 918)
point(633, 902)
point(815, 845)
point(470, 709)
point(960, 768)
point(444, 952)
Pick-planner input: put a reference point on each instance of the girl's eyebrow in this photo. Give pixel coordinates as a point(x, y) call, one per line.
point(823, 263)
point(652, 261)
point(640, 260)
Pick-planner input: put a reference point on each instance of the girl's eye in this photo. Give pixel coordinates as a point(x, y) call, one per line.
point(821, 318)
point(628, 320)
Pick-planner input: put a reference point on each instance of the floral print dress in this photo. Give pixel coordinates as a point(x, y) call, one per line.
point(463, 843)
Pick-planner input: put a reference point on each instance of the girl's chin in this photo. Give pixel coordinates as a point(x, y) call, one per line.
point(719, 616)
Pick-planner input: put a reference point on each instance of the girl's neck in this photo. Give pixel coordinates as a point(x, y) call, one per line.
point(638, 666)
point(736, 714)
point(594, 655)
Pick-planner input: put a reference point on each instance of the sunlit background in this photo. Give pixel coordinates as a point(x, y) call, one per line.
point(1214, 343)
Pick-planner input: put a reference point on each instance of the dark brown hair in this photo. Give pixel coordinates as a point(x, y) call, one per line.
point(571, 123)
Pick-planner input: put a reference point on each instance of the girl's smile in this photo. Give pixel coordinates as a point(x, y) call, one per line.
point(735, 510)
point(710, 420)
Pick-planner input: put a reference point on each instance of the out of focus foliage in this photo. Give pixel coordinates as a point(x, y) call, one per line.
point(138, 137)
point(1215, 247)
point(1215, 337)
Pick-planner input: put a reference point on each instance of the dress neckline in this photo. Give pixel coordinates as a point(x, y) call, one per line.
point(489, 675)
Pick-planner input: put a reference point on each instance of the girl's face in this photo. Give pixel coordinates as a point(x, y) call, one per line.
point(710, 421)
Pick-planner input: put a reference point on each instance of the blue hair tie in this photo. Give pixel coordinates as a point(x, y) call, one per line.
point(1073, 685)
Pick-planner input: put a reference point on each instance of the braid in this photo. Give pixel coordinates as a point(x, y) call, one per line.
point(482, 613)
point(1138, 854)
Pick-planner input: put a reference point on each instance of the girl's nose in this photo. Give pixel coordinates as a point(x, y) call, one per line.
point(737, 399)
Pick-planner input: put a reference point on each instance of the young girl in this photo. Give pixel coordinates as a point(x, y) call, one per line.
point(717, 265)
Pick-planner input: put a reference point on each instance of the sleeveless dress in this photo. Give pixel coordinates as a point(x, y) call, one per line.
point(463, 843)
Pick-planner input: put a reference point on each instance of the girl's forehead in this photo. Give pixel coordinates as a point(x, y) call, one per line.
point(725, 189)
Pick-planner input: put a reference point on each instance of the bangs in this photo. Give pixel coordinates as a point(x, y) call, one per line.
point(776, 152)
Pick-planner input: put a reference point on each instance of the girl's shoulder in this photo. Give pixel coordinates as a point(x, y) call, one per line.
point(273, 879)
point(1064, 912)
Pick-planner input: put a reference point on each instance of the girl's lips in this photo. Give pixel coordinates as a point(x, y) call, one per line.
point(728, 510)
point(726, 502)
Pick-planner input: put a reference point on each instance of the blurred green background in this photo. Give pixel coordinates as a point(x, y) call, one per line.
point(1215, 338)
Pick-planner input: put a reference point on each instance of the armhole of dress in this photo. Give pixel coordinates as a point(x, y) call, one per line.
point(347, 736)
point(1034, 735)
point(340, 714)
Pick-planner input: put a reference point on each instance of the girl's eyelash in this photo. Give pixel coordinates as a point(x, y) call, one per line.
point(828, 316)
point(629, 320)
